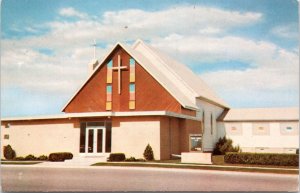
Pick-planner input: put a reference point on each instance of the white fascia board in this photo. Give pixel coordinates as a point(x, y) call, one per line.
point(213, 102)
point(101, 114)
point(59, 116)
point(90, 76)
point(171, 114)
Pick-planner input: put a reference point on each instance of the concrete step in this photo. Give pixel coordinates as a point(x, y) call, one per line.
point(87, 160)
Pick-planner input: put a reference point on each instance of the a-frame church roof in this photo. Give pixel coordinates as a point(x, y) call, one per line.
point(176, 78)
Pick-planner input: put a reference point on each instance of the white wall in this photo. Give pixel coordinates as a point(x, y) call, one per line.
point(41, 139)
point(209, 139)
point(131, 137)
point(275, 140)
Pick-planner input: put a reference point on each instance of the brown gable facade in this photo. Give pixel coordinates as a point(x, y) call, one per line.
point(149, 94)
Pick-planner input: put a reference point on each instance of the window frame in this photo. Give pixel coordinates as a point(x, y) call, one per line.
point(211, 124)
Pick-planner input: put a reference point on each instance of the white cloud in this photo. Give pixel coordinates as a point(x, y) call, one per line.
point(212, 49)
point(71, 12)
point(272, 69)
point(188, 33)
point(289, 31)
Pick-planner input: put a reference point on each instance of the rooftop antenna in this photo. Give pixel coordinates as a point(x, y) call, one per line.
point(94, 45)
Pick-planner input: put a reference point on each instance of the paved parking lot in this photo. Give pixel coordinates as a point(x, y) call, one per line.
point(24, 178)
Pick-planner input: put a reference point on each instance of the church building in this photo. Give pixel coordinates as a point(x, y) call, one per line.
point(135, 96)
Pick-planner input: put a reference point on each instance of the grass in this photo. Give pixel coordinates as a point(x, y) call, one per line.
point(166, 161)
point(19, 163)
point(202, 167)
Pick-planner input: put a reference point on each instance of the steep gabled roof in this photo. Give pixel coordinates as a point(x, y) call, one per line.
point(263, 114)
point(176, 78)
point(188, 82)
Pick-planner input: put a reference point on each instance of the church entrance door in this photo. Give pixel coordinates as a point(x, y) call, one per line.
point(95, 140)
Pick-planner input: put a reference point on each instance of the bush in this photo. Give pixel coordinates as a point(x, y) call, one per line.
point(148, 153)
point(19, 158)
point(30, 157)
point(133, 159)
point(225, 145)
point(43, 157)
point(115, 157)
point(60, 156)
point(262, 159)
point(140, 160)
point(8, 152)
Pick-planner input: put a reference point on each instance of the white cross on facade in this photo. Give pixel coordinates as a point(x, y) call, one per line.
point(119, 68)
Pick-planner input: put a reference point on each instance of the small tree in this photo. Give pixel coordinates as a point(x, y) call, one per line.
point(8, 152)
point(148, 153)
point(225, 145)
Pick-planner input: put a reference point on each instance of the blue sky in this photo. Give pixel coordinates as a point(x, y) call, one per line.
point(247, 51)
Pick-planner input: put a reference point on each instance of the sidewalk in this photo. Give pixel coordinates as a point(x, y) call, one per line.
point(159, 165)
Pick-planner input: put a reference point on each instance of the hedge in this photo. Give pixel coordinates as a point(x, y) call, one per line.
point(31, 157)
point(60, 156)
point(262, 159)
point(116, 157)
point(133, 159)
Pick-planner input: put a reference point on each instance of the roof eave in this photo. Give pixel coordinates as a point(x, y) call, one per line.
point(91, 75)
point(213, 102)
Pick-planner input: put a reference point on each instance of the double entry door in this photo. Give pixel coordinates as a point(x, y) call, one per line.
point(95, 140)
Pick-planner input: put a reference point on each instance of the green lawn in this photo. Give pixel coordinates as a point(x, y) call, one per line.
point(166, 161)
point(19, 163)
point(186, 166)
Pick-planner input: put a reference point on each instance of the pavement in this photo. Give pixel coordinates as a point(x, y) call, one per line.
point(110, 178)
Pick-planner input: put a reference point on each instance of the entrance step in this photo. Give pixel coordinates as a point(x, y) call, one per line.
point(86, 161)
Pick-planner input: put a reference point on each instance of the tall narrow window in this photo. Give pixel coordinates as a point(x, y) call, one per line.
point(82, 137)
point(211, 124)
point(132, 70)
point(131, 96)
point(90, 141)
point(108, 97)
point(99, 140)
point(203, 121)
point(109, 72)
point(109, 85)
point(108, 137)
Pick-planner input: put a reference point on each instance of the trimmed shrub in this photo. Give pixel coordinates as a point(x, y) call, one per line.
point(8, 152)
point(115, 157)
point(43, 157)
point(30, 157)
point(225, 145)
point(19, 158)
point(140, 160)
point(262, 159)
point(148, 153)
point(60, 156)
point(133, 159)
